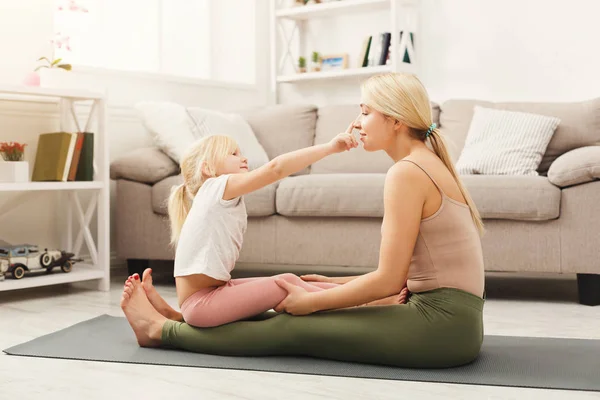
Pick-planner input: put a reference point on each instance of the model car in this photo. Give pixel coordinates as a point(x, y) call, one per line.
point(16, 261)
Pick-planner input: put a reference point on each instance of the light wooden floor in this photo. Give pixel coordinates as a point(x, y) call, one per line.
point(515, 306)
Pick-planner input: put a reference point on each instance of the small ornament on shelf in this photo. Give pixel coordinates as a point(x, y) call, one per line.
point(302, 64)
point(14, 168)
point(17, 261)
point(316, 62)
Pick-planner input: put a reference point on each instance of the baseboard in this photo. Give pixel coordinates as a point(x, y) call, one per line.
point(115, 262)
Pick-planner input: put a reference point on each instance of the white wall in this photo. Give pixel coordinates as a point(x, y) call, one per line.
point(518, 50)
point(25, 30)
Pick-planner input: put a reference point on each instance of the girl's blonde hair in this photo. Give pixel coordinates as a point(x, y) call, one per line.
point(199, 163)
point(403, 97)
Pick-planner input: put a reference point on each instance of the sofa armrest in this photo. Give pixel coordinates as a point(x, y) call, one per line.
point(146, 165)
point(575, 167)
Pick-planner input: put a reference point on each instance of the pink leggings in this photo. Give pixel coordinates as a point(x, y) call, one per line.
point(240, 299)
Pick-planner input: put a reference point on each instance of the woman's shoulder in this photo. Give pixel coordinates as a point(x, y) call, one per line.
point(406, 169)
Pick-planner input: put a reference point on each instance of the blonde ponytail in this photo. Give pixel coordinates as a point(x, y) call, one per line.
point(199, 163)
point(179, 207)
point(404, 98)
point(439, 147)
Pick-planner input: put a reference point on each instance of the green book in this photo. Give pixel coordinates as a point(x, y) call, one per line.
point(85, 168)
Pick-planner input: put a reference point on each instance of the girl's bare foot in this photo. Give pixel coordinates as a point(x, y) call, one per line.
point(395, 299)
point(156, 300)
point(145, 321)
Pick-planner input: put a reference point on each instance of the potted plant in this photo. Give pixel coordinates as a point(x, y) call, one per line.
point(302, 64)
point(53, 73)
point(316, 61)
point(13, 168)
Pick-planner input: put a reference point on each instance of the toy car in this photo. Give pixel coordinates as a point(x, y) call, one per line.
point(17, 260)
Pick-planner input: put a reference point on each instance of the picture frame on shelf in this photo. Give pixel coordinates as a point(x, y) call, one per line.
point(334, 62)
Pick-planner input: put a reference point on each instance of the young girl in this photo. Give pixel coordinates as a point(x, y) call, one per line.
point(208, 220)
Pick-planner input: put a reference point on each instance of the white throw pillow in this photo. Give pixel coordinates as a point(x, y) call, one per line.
point(210, 122)
point(169, 125)
point(174, 128)
point(501, 142)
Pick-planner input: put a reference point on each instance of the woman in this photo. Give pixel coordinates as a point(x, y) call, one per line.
point(430, 238)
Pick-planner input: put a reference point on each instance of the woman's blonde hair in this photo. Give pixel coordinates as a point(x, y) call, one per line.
point(404, 98)
point(199, 163)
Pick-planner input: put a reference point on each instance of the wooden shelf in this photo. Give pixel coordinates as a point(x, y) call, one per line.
point(75, 94)
point(80, 272)
point(34, 186)
point(332, 9)
point(338, 74)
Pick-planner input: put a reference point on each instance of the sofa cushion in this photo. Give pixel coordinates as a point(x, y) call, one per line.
point(283, 128)
point(211, 122)
point(579, 124)
point(331, 195)
point(258, 204)
point(575, 167)
point(525, 198)
point(334, 119)
point(146, 165)
point(522, 198)
point(503, 142)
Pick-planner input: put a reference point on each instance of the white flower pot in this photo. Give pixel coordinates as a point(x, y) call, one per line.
point(58, 78)
point(14, 171)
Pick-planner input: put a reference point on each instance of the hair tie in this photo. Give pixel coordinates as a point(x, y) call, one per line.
point(431, 128)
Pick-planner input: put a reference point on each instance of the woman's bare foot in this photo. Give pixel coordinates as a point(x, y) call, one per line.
point(395, 299)
point(156, 300)
point(145, 321)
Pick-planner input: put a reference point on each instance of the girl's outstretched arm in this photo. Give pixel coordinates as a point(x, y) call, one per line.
point(286, 164)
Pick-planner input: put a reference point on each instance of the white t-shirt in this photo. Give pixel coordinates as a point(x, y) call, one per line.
point(212, 234)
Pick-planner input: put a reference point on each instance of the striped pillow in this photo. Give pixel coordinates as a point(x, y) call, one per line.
point(503, 142)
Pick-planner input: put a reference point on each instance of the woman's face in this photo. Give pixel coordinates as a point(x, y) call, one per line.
point(376, 129)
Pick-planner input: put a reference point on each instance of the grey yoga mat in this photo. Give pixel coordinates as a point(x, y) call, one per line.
point(504, 360)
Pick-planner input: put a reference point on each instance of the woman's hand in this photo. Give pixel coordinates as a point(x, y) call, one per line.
point(344, 141)
point(297, 301)
point(316, 278)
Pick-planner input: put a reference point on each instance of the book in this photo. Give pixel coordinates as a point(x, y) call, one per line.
point(53, 157)
point(363, 58)
point(374, 50)
point(85, 167)
point(407, 46)
point(76, 156)
point(385, 38)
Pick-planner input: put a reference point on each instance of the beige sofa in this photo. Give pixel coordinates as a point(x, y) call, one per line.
point(327, 218)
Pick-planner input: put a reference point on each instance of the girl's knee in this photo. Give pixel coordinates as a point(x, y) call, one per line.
point(288, 277)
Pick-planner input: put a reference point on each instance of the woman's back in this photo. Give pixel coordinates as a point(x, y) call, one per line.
point(447, 252)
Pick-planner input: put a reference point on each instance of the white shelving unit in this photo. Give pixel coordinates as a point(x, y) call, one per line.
point(344, 73)
point(98, 268)
point(282, 17)
point(332, 9)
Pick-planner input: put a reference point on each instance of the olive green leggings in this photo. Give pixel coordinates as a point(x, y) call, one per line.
point(435, 329)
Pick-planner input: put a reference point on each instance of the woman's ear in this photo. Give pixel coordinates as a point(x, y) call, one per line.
point(398, 125)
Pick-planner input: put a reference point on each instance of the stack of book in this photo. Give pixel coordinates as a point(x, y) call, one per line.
point(63, 156)
point(376, 49)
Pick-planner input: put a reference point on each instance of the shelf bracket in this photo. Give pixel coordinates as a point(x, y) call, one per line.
point(84, 230)
point(288, 44)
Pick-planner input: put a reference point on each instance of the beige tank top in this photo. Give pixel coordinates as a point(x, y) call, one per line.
point(448, 249)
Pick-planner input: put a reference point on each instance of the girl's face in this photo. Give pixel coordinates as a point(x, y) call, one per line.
point(234, 163)
point(375, 129)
